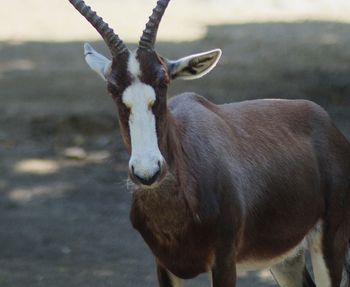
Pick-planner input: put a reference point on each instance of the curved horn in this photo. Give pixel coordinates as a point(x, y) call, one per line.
point(114, 43)
point(149, 35)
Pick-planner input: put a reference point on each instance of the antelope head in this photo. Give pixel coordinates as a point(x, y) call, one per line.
point(138, 82)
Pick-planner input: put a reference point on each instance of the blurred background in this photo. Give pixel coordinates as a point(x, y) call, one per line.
point(63, 200)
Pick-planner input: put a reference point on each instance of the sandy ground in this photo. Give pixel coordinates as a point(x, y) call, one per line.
point(64, 222)
point(56, 20)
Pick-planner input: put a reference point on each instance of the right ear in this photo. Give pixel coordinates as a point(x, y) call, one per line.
point(99, 63)
point(193, 66)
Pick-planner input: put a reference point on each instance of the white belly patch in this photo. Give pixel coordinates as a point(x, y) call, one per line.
point(252, 265)
point(295, 251)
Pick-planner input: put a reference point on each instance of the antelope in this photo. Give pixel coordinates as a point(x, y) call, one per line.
point(224, 188)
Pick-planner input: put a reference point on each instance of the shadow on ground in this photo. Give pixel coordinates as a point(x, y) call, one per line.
point(64, 221)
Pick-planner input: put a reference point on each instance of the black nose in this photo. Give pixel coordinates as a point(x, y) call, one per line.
point(146, 180)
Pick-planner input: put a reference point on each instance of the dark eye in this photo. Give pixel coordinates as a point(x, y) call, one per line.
point(162, 85)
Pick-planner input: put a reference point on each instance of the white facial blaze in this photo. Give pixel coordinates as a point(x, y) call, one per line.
point(139, 98)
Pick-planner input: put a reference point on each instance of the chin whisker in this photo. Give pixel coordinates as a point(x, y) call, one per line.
point(130, 186)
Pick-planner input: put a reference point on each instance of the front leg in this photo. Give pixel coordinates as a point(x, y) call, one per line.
point(166, 278)
point(224, 269)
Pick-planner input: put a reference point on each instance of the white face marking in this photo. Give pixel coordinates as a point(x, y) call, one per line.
point(134, 65)
point(139, 98)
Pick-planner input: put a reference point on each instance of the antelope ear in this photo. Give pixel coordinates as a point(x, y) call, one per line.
point(193, 66)
point(99, 63)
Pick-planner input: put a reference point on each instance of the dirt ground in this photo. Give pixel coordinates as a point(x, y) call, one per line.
point(64, 222)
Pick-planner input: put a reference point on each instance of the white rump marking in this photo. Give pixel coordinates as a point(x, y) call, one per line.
point(139, 98)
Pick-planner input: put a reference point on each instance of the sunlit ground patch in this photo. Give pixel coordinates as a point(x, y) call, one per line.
point(23, 195)
point(262, 275)
point(17, 65)
point(265, 275)
point(37, 166)
point(185, 20)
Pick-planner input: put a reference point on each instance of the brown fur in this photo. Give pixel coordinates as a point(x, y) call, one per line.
point(244, 181)
point(265, 170)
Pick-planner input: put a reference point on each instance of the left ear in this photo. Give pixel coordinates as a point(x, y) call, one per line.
point(193, 66)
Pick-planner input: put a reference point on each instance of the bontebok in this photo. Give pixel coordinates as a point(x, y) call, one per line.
point(219, 188)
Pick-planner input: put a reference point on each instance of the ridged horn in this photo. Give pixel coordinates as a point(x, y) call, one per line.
point(114, 43)
point(149, 35)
